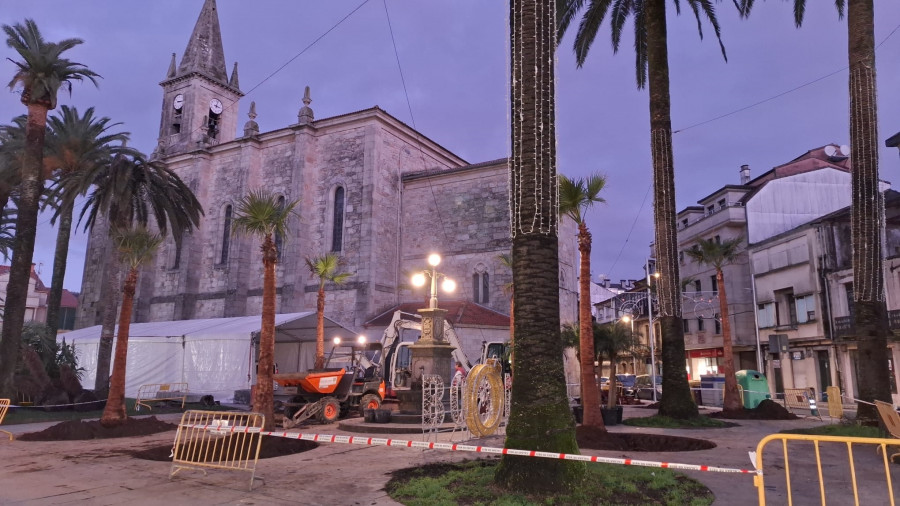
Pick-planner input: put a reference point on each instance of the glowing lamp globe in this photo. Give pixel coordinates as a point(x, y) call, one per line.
point(448, 285)
point(434, 259)
point(418, 279)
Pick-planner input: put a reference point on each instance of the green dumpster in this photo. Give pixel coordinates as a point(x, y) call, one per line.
point(755, 387)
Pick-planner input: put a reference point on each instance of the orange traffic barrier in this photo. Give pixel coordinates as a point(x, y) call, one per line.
point(206, 439)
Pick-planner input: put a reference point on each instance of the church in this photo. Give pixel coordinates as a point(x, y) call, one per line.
point(370, 188)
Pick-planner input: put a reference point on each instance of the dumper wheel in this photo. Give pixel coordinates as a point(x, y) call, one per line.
point(369, 401)
point(331, 410)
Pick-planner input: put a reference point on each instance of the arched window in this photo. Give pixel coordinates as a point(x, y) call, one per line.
point(337, 229)
point(481, 285)
point(279, 240)
point(226, 234)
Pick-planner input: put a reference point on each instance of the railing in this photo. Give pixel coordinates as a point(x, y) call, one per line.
point(844, 328)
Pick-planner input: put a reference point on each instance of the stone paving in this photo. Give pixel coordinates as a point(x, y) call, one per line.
point(103, 471)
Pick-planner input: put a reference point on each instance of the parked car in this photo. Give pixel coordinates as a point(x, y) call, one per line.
point(643, 387)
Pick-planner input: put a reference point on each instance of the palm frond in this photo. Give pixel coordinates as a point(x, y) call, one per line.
point(327, 268)
point(577, 196)
point(137, 246)
point(714, 253)
point(260, 213)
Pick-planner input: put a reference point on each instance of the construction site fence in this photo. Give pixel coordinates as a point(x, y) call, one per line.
point(4, 407)
point(834, 481)
point(154, 392)
point(208, 440)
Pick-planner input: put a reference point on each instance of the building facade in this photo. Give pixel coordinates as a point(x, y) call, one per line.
point(370, 188)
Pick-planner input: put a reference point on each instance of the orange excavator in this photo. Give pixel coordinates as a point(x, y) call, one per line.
point(331, 393)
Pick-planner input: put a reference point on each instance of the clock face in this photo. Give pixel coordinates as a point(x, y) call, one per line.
point(178, 103)
point(215, 106)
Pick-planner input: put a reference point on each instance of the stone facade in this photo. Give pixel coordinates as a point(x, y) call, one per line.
point(369, 187)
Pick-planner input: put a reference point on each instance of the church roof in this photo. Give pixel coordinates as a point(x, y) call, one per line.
point(204, 53)
point(459, 313)
point(442, 172)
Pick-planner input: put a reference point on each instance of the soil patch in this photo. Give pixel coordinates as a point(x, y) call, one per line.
point(271, 447)
point(73, 430)
point(767, 410)
point(590, 438)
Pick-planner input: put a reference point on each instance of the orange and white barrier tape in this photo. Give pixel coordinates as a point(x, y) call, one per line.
point(373, 441)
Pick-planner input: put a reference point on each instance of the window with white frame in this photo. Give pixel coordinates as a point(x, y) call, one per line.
point(765, 314)
point(806, 308)
point(481, 284)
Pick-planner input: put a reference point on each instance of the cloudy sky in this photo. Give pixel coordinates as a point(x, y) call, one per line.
point(453, 56)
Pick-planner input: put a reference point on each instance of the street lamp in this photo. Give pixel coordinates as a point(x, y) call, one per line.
point(627, 318)
point(448, 285)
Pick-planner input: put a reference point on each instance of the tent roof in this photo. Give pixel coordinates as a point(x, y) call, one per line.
point(289, 327)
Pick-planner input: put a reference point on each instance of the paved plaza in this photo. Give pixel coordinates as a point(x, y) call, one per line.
point(104, 472)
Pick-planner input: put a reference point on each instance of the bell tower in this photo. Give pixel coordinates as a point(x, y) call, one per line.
point(200, 102)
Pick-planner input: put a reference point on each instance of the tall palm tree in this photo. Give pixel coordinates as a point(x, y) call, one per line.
point(540, 417)
point(652, 68)
point(41, 72)
point(327, 269)
point(870, 312)
point(259, 213)
point(12, 152)
point(136, 247)
point(576, 197)
point(126, 192)
point(78, 143)
point(718, 255)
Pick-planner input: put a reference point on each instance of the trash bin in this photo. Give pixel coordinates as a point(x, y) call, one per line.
point(713, 388)
point(755, 386)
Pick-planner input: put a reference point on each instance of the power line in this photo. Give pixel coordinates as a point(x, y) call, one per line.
point(628, 237)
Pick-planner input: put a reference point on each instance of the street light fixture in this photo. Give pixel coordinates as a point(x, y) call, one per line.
point(418, 279)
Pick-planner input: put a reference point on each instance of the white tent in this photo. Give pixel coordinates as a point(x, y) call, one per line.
point(214, 356)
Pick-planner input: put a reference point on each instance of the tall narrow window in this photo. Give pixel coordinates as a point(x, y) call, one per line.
point(697, 286)
point(337, 232)
point(714, 283)
point(480, 285)
point(700, 324)
point(279, 240)
point(718, 322)
point(226, 234)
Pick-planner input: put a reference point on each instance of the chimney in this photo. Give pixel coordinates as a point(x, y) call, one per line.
point(745, 174)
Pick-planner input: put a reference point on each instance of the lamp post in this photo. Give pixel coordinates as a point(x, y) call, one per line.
point(630, 319)
point(448, 285)
point(652, 332)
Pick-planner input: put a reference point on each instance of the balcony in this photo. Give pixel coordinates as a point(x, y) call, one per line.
point(843, 325)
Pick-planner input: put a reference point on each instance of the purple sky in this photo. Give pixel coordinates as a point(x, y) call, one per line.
point(454, 60)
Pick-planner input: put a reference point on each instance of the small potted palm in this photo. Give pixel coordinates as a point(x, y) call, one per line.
point(610, 340)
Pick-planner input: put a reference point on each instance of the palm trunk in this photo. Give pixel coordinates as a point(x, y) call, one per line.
point(590, 394)
point(611, 394)
point(512, 330)
point(59, 268)
point(320, 327)
point(108, 319)
point(678, 402)
point(732, 401)
point(263, 402)
point(866, 213)
point(23, 248)
point(114, 413)
point(540, 418)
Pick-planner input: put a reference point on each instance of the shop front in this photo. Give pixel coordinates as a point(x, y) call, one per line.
point(703, 362)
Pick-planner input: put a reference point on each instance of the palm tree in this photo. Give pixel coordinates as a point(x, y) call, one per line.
point(652, 67)
point(41, 72)
point(575, 198)
point(327, 269)
point(870, 313)
point(12, 151)
point(540, 417)
point(126, 192)
point(136, 247)
point(78, 143)
point(259, 213)
point(717, 255)
point(611, 340)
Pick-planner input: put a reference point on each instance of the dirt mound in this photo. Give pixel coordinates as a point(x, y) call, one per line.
point(590, 438)
point(271, 447)
point(767, 410)
point(79, 429)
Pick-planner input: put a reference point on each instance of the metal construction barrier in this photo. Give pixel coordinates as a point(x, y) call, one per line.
point(4, 406)
point(208, 439)
point(800, 398)
point(160, 392)
point(817, 459)
point(835, 402)
point(891, 421)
